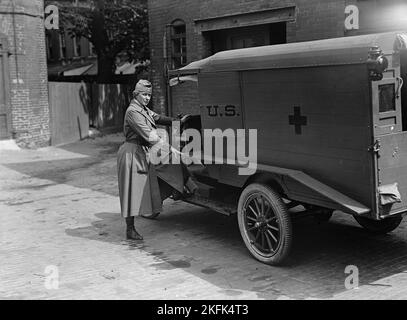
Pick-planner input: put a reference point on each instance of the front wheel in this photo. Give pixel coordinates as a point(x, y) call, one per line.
point(381, 226)
point(264, 224)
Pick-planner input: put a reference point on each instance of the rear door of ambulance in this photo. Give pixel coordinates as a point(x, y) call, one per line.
point(389, 102)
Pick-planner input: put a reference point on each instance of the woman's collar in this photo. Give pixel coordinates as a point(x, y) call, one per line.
point(138, 104)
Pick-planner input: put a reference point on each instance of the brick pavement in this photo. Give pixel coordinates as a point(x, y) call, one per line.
point(59, 207)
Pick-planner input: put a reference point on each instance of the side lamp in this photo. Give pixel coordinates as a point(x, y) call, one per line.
point(377, 63)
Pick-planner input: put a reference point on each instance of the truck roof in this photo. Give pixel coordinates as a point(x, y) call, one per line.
point(337, 51)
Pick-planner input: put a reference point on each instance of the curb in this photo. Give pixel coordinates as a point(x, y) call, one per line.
point(9, 145)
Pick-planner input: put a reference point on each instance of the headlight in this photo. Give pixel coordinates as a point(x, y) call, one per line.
point(377, 63)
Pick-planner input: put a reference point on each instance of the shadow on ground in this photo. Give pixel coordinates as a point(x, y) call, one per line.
point(209, 246)
point(97, 171)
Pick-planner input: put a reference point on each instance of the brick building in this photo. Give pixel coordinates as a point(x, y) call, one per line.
point(24, 108)
point(187, 30)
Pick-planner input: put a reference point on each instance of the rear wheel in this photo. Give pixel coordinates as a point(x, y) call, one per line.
point(381, 226)
point(264, 224)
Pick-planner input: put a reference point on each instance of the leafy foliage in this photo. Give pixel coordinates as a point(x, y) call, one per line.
point(112, 26)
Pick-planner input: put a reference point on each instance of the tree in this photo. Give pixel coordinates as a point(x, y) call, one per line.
point(112, 26)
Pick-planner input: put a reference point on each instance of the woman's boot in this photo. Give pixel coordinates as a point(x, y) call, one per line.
point(131, 232)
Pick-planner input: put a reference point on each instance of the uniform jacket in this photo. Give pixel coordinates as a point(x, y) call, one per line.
point(139, 128)
point(139, 187)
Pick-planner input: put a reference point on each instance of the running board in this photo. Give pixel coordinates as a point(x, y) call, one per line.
point(203, 197)
point(211, 204)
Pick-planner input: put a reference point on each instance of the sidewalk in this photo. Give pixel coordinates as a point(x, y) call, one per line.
point(59, 220)
point(59, 207)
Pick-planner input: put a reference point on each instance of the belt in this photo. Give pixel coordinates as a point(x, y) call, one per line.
point(138, 140)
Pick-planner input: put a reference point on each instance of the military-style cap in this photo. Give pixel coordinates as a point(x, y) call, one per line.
point(143, 86)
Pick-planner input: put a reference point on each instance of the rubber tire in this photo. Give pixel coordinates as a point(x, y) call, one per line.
point(151, 216)
point(379, 227)
point(280, 211)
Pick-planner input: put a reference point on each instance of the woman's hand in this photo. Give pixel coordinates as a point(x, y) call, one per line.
point(175, 151)
point(185, 119)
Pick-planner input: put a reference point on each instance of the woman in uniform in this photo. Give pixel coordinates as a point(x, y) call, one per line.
point(142, 185)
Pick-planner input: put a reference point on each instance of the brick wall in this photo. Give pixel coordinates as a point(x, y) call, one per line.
point(24, 29)
point(161, 13)
point(316, 19)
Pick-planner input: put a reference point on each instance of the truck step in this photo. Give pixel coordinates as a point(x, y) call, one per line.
point(210, 203)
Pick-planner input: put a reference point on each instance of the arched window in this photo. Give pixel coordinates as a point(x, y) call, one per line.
point(178, 44)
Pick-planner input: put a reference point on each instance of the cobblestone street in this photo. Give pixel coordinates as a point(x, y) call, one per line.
point(59, 207)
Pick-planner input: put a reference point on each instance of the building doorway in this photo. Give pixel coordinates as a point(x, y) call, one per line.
point(246, 37)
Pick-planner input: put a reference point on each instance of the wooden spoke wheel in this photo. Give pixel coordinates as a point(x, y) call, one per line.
point(264, 224)
point(381, 226)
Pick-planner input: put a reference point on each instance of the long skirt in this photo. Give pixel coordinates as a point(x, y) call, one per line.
point(142, 185)
point(138, 185)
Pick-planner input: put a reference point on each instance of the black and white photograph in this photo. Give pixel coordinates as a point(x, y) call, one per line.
point(207, 151)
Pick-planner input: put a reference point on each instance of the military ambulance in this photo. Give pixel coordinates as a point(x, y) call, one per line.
point(331, 121)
